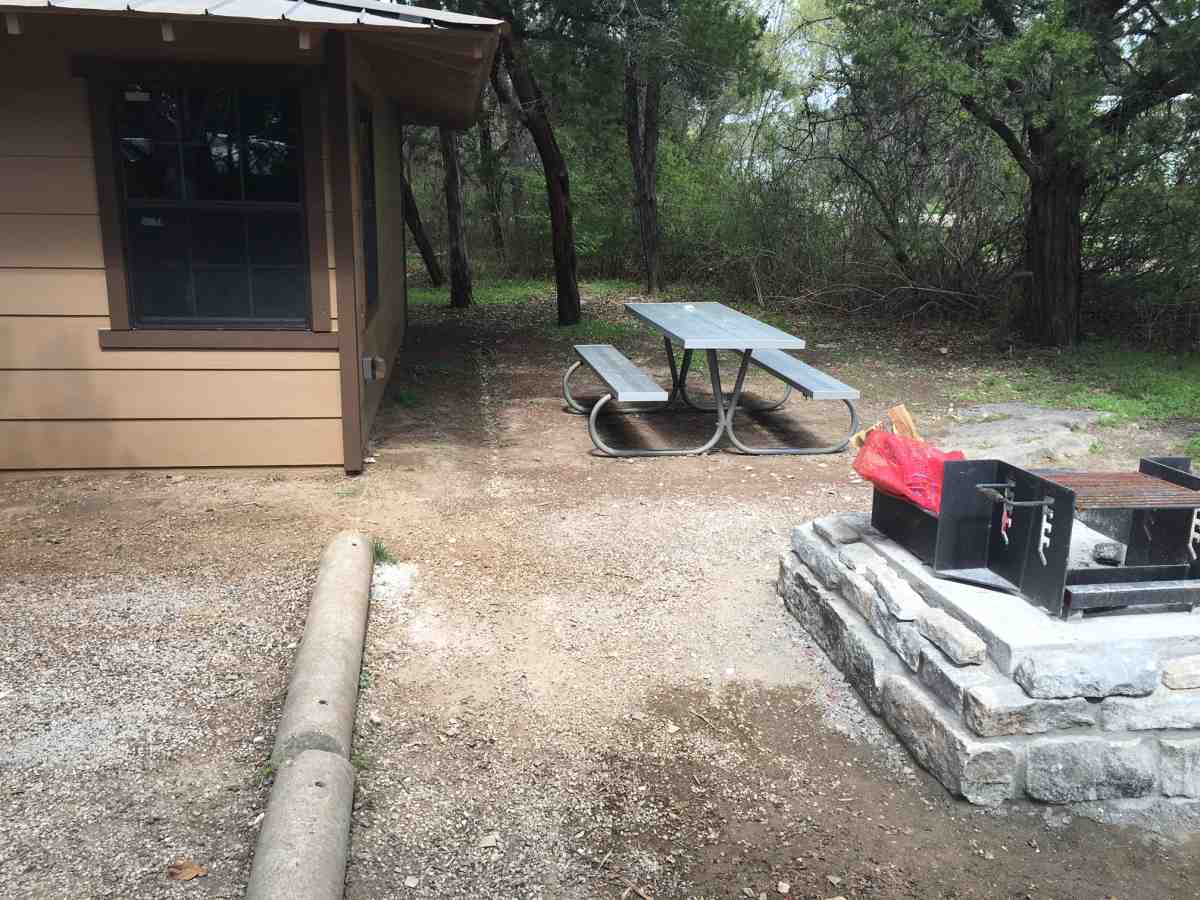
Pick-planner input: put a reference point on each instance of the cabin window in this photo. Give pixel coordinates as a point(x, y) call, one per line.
point(211, 180)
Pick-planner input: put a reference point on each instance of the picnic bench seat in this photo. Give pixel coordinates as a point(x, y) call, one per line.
point(625, 381)
point(811, 382)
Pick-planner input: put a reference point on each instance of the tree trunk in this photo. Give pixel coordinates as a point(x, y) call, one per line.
point(641, 131)
point(460, 263)
point(1054, 256)
point(517, 250)
point(529, 106)
point(413, 217)
point(489, 174)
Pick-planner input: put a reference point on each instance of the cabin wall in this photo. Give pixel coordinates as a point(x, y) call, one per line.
point(64, 401)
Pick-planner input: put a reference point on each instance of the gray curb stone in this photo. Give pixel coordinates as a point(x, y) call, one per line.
point(305, 837)
point(952, 637)
point(902, 601)
point(323, 689)
point(818, 556)
point(1180, 766)
point(1182, 674)
point(1068, 674)
point(835, 530)
point(999, 709)
point(950, 683)
point(1066, 770)
point(982, 772)
point(1164, 708)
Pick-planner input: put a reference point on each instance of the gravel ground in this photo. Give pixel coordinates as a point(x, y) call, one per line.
point(578, 681)
point(137, 715)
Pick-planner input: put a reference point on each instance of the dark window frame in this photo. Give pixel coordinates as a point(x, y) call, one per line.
point(104, 76)
point(364, 117)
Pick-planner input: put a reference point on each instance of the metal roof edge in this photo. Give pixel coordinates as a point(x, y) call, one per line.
point(418, 13)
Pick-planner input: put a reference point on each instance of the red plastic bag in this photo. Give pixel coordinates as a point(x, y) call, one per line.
point(904, 468)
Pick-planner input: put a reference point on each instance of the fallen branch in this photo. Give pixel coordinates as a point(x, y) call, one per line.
point(705, 721)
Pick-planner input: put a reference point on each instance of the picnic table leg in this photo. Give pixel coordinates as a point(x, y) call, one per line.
point(613, 451)
point(794, 451)
point(700, 407)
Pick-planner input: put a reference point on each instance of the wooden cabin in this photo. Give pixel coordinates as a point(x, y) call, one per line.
point(202, 248)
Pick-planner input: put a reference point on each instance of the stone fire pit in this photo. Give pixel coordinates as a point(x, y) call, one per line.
point(995, 698)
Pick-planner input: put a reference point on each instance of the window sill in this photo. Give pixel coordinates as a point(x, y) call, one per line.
point(195, 339)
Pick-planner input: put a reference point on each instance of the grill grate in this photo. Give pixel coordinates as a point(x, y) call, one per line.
point(1124, 490)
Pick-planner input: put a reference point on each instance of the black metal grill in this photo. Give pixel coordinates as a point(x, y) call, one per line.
point(1006, 528)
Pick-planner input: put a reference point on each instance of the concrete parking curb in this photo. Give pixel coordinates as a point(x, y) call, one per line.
point(305, 837)
point(323, 691)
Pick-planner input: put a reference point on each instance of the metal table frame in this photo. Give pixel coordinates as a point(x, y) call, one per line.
point(709, 327)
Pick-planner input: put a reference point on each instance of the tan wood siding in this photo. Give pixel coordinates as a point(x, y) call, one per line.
point(47, 342)
point(42, 116)
point(53, 292)
point(44, 184)
point(65, 402)
point(385, 331)
point(150, 394)
point(170, 443)
point(49, 241)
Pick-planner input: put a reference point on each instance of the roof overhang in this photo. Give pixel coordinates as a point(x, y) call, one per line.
point(433, 63)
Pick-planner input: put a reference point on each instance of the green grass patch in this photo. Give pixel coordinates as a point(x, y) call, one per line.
point(405, 398)
point(381, 553)
point(499, 292)
point(1125, 384)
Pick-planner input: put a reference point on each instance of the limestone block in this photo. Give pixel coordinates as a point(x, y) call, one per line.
point(860, 558)
point(1182, 674)
point(1128, 672)
point(818, 556)
point(993, 710)
point(836, 530)
point(859, 593)
point(1071, 769)
point(902, 601)
point(952, 637)
point(983, 772)
point(902, 637)
point(1180, 766)
point(1164, 708)
point(950, 683)
point(839, 631)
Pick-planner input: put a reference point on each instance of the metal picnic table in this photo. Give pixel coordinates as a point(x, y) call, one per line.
point(708, 327)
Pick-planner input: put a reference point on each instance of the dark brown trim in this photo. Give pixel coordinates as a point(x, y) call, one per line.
point(314, 197)
point(341, 164)
point(108, 198)
point(196, 339)
point(117, 71)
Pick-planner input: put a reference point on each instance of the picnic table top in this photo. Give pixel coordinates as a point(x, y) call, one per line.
point(713, 326)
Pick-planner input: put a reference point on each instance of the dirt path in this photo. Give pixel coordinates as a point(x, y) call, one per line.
point(578, 676)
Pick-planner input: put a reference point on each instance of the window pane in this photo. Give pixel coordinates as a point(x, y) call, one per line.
point(276, 239)
point(162, 293)
point(148, 113)
point(212, 171)
point(222, 292)
point(272, 126)
point(211, 112)
point(158, 238)
point(218, 238)
point(281, 294)
point(151, 169)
